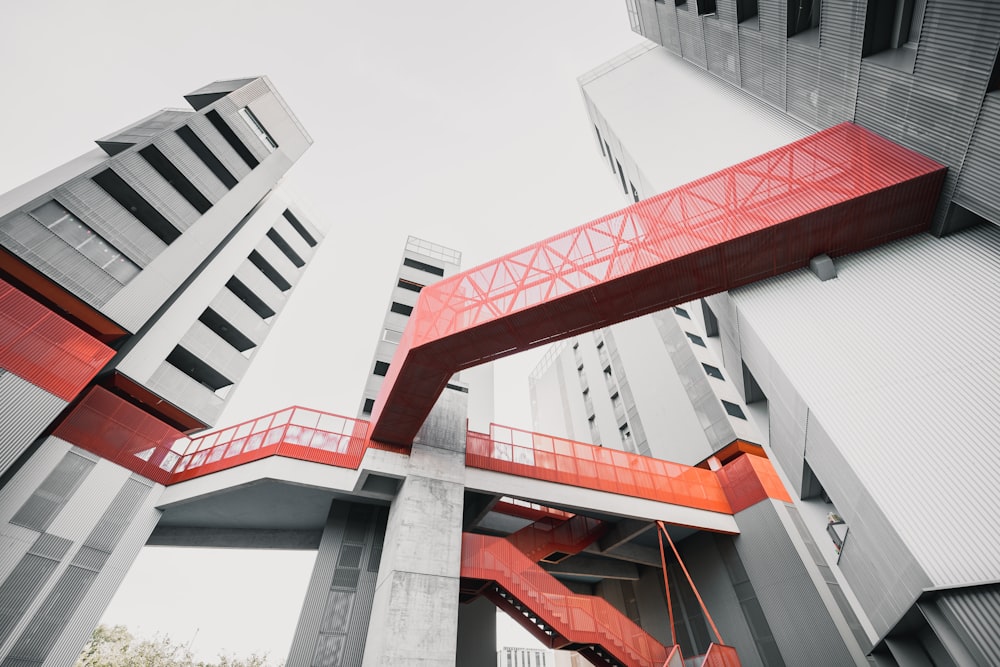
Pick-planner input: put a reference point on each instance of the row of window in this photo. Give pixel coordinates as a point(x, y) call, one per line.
point(732, 409)
point(606, 151)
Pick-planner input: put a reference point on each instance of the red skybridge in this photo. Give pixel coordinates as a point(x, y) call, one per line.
point(838, 191)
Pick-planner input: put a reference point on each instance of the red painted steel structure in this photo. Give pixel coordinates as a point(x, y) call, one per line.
point(838, 191)
point(40, 346)
point(573, 621)
point(538, 456)
point(554, 538)
point(114, 429)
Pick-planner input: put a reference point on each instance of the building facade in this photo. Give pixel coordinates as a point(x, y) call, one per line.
point(839, 370)
point(138, 281)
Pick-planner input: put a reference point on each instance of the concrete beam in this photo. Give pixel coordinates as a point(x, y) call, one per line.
point(624, 531)
point(630, 552)
point(587, 565)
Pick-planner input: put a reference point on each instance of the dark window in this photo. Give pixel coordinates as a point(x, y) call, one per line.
point(600, 142)
point(421, 266)
point(297, 226)
point(600, 345)
point(745, 9)
point(286, 249)
point(706, 7)
point(247, 296)
point(400, 308)
point(697, 340)
point(199, 148)
point(680, 3)
point(713, 371)
point(410, 285)
point(227, 133)
point(197, 369)
point(683, 313)
point(265, 137)
point(225, 330)
point(803, 15)
point(381, 368)
point(733, 409)
point(621, 175)
point(635, 195)
point(171, 174)
point(994, 82)
point(143, 211)
point(272, 273)
point(369, 405)
point(892, 24)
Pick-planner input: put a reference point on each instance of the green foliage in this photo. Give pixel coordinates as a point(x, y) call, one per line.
point(117, 647)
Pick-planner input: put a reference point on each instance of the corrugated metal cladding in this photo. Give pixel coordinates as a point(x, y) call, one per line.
point(191, 166)
point(155, 189)
point(27, 410)
point(219, 146)
point(975, 613)
point(42, 631)
point(28, 577)
point(777, 575)
point(904, 384)
point(44, 504)
point(117, 517)
point(977, 186)
point(333, 625)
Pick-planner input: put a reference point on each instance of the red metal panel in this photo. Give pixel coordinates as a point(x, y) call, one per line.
point(749, 479)
point(839, 191)
point(44, 349)
point(557, 535)
point(538, 456)
point(116, 430)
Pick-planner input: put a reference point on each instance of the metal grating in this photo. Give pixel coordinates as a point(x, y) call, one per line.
point(44, 504)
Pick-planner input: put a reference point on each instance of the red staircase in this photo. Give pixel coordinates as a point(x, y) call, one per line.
point(552, 538)
point(559, 618)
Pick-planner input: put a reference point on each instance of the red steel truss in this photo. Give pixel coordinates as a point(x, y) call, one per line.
point(838, 191)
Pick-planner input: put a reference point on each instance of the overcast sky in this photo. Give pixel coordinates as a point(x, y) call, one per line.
point(458, 122)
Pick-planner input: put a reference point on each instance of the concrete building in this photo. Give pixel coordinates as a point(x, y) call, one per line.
point(769, 407)
point(137, 282)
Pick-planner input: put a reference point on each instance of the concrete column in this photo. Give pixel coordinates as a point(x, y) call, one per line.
point(414, 619)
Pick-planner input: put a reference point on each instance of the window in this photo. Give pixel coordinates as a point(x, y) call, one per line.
point(892, 28)
point(199, 148)
point(227, 133)
point(621, 175)
point(697, 340)
point(683, 313)
point(171, 174)
point(994, 82)
point(85, 240)
point(132, 201)
point(635, 195)
point(197, 369)
point(745, 10)
point(368, 406)
point(272, 273)
point(297, 226)
point(401, 308)
point(247, 296)
point(600, 142)
point(265, 137)
point(733, 410)
point(706, 7)
point(409, 284)
point(712, 371)
point(803, 15)
point(381, 368)
point(285, 249)
point(226, 331)
point(421, 266)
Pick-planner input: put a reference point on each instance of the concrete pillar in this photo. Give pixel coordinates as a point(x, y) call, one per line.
point(414, 619)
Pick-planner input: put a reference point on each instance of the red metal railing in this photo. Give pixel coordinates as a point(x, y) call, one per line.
point(575, 619)
point(527, 454)
point(40, 346)
point(298, 433)
point(841, 190)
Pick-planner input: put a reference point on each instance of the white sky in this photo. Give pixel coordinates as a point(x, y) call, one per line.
point(458, 122)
